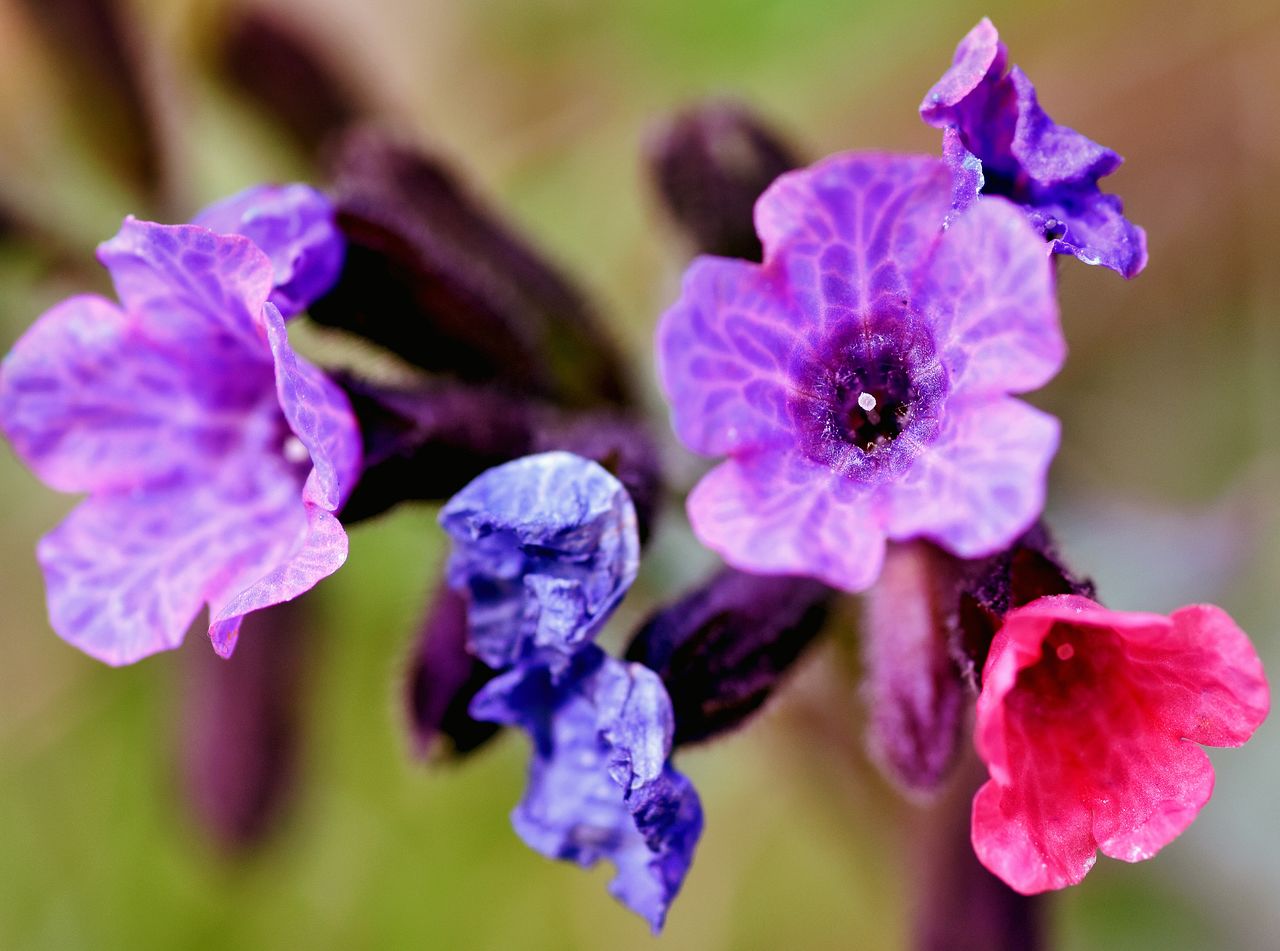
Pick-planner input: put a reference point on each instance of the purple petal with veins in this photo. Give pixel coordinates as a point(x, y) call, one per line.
point(214, 456)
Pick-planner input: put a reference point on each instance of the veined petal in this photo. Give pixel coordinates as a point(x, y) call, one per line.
point(996, 319)
point(1052, 154)
point(585, 723)
point(318, 551)
point(126, 573)
point(319, 414)
point(544, 547)
point(186, 285)
point(294, 226)
point(777, 513)
point(91, 403)
point(1095, 230)
point(981, 483)
point(723, 352)
point(846, 236)
point(978, 56)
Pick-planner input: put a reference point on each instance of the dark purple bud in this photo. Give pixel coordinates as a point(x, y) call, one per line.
point(709, 165)
point(427, 442)
point(99, 57)
point(723, 649)
point(443, 677)
point(988, 589)
point(241, 721)
point(622, 447)
point(440, 280)
point(273, 62)
point(958, 904)
point(914, 694)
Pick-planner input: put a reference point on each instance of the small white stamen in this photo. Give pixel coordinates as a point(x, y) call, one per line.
point(867, 402)
point(295, 451)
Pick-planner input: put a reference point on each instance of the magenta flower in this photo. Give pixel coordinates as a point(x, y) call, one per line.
point(1088, 722)
point(213, 456)
point(859, 378)
point(999, 141)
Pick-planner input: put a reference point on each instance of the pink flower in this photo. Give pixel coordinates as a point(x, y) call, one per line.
point(1088, 722)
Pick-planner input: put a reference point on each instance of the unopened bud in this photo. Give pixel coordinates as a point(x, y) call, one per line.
point(709, 165)
point(442, 679)
point(914, 694)
point(241, 727)
point(441, 281)
point(723, 649)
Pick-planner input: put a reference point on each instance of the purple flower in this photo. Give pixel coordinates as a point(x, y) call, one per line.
point(545, 547)
point(859, 378)
point(213, 456)
point(294, 225)
point(600, 784)
point(999, 141)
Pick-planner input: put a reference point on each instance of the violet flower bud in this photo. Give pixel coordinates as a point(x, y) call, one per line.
point(240, 733)
point(442, 678)
point(914, 693)
point(275, 64)
point(722, 649)
point(709, 164)
point(440, 280)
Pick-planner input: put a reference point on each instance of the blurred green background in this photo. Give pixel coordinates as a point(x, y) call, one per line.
point(1164, 490)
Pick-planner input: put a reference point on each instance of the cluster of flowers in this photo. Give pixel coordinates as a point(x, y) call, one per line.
point(860, 378)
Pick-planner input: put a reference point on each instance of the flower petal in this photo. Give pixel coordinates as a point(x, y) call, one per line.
point(1006, 845)
point(545, 547)
point(317, 551)
point(847, 235)
point(979, 55)
point(1051, 154)
point(996, 313)
point(127, 573)
point(185, 285)
point(777, 513)
point(723, 350)
point(1205, 673)
point(319, 414)
point(294, 226)
point(1095, 230)
point(1168, 784)
point(91, 403)
point(981, 483)
point(578, 807)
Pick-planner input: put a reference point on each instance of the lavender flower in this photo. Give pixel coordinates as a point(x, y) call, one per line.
point(859, 378)
point(999, 141)
point(600, 784)
point(214, 457)
point(545, 547)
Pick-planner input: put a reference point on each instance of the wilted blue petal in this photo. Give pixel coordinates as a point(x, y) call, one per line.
point(599, 784)
point(545, 547)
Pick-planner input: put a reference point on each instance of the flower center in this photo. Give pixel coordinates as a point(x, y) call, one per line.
point(875, 405)
point(868, 399)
